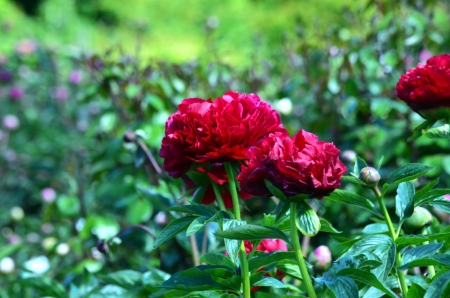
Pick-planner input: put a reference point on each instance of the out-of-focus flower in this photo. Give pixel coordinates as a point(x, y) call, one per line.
point(13, 239)
point(16, 93)
point(63, 249)
point(5, 75)
point(37, 265)
point(301, 165)
point(203, 131)
point(49, 243)
point(426, 88)
point(48, 195)
point(47, 228)
point(320, 258)
point(26, 47)
point(212, 22)
point(32, 237)
point(7, 265)
point(16, 213)
point(11, 122)
point(75, 77)
point(424, 55)
point(348, 156)
point(161, 219)
point(61, 93)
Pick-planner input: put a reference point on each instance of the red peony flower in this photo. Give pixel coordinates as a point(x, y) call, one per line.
point(426, 88)
point(220, 131)
point(301, 165)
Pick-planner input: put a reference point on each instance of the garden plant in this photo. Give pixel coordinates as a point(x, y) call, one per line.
point(321, 171)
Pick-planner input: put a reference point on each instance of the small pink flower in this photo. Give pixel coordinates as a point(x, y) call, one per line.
point(26, 47)
point(425, 55)
point(61, 93)
point(75, 77)
point(16, 93)
point(48, 195)
point(11, 122)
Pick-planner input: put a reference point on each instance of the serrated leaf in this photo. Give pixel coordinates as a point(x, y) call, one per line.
point(325, 226)
point(307, 220)
point(408, 172)
point(172, 229)
point(347, 197)
point(404, 201)
point(252, 232)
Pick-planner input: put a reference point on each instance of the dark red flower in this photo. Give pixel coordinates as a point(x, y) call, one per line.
point(301, 165)
point(426, 88)
point(220, 131)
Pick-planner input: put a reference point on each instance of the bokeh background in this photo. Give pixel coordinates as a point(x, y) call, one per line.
point(76, 75)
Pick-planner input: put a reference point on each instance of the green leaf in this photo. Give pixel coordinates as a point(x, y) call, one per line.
point(376, 228)
point(282, 209)
point(201, 221)
point(232, 246)
point(367, 278)
point(415, 291)
point(268, 220)
point(436, 260)
point(422, 251)
point(440, 132)
point(417, 132)
point(325, 226)
point(442, 204)
point(198, 195)
point(127, 279)
point(252, 232)
point(275, 191)
point(438, 285)
point(420, 193)
point(343, 287)
point(408, 172)
point(205, 210)
point(139, 211)
point(269, 282)
point(267, 259)
point(359, 165)
point(45, 286)
point(404, 201)
point(172, 229)
point(9, 249)
point(404, 241)
point(290, 267)
point(68, 205)
point(353, 179)
point(347, 197)
point(217, 259)
point(380, 162)
point(431, 196)
point(307, 220)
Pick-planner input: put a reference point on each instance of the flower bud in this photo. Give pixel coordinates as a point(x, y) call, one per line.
point(320, 258)
point(420, 219)
point(369, 176)
point(348, 156)
point(129, 137)
point(16, 213)
point(7, 265)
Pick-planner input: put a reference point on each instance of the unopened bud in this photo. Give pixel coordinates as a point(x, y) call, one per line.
point(129, 137)
point(369, 176)
point(421, 218)
point(320, 258)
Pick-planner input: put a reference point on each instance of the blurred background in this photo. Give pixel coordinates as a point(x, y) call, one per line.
point(76, 75)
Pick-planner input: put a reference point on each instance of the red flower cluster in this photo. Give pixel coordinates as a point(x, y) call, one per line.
point(426, 89)
point(220, 131)
point(301, 165)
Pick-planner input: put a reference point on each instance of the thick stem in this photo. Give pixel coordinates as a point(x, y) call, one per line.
point(298, 252)
point(431, 270)
point(393, 234)
point(237, 215)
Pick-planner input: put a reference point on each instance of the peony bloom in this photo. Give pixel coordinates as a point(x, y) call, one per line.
point(203, 131)
point(426, 88)
point(301, 165)
point(320, 258)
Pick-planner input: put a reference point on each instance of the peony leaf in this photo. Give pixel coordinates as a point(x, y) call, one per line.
point(440, 132)
point(252, 232)
point(325, 226)
point(404, 201)
point(218, 259)
point(269, 282)
point(267, 259)
point(438, 285)
point(420, 193)
point(359, 164)
point(307, 220)
point(353, 179)
point(232, 246)
point(417, 132)
point(347, 197)
point(173, 228)
point(367, 278)
point(436, 260)
point(275, 191)
point(408, 172)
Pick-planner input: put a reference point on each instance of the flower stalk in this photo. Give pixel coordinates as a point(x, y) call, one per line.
point(398, 258)
point(298, 252)
point(237, 214)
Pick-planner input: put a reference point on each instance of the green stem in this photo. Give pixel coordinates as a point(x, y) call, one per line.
point(298, 252)
point(237, 215)
point(393, 234)
point(218, 195)
point(431, 271)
